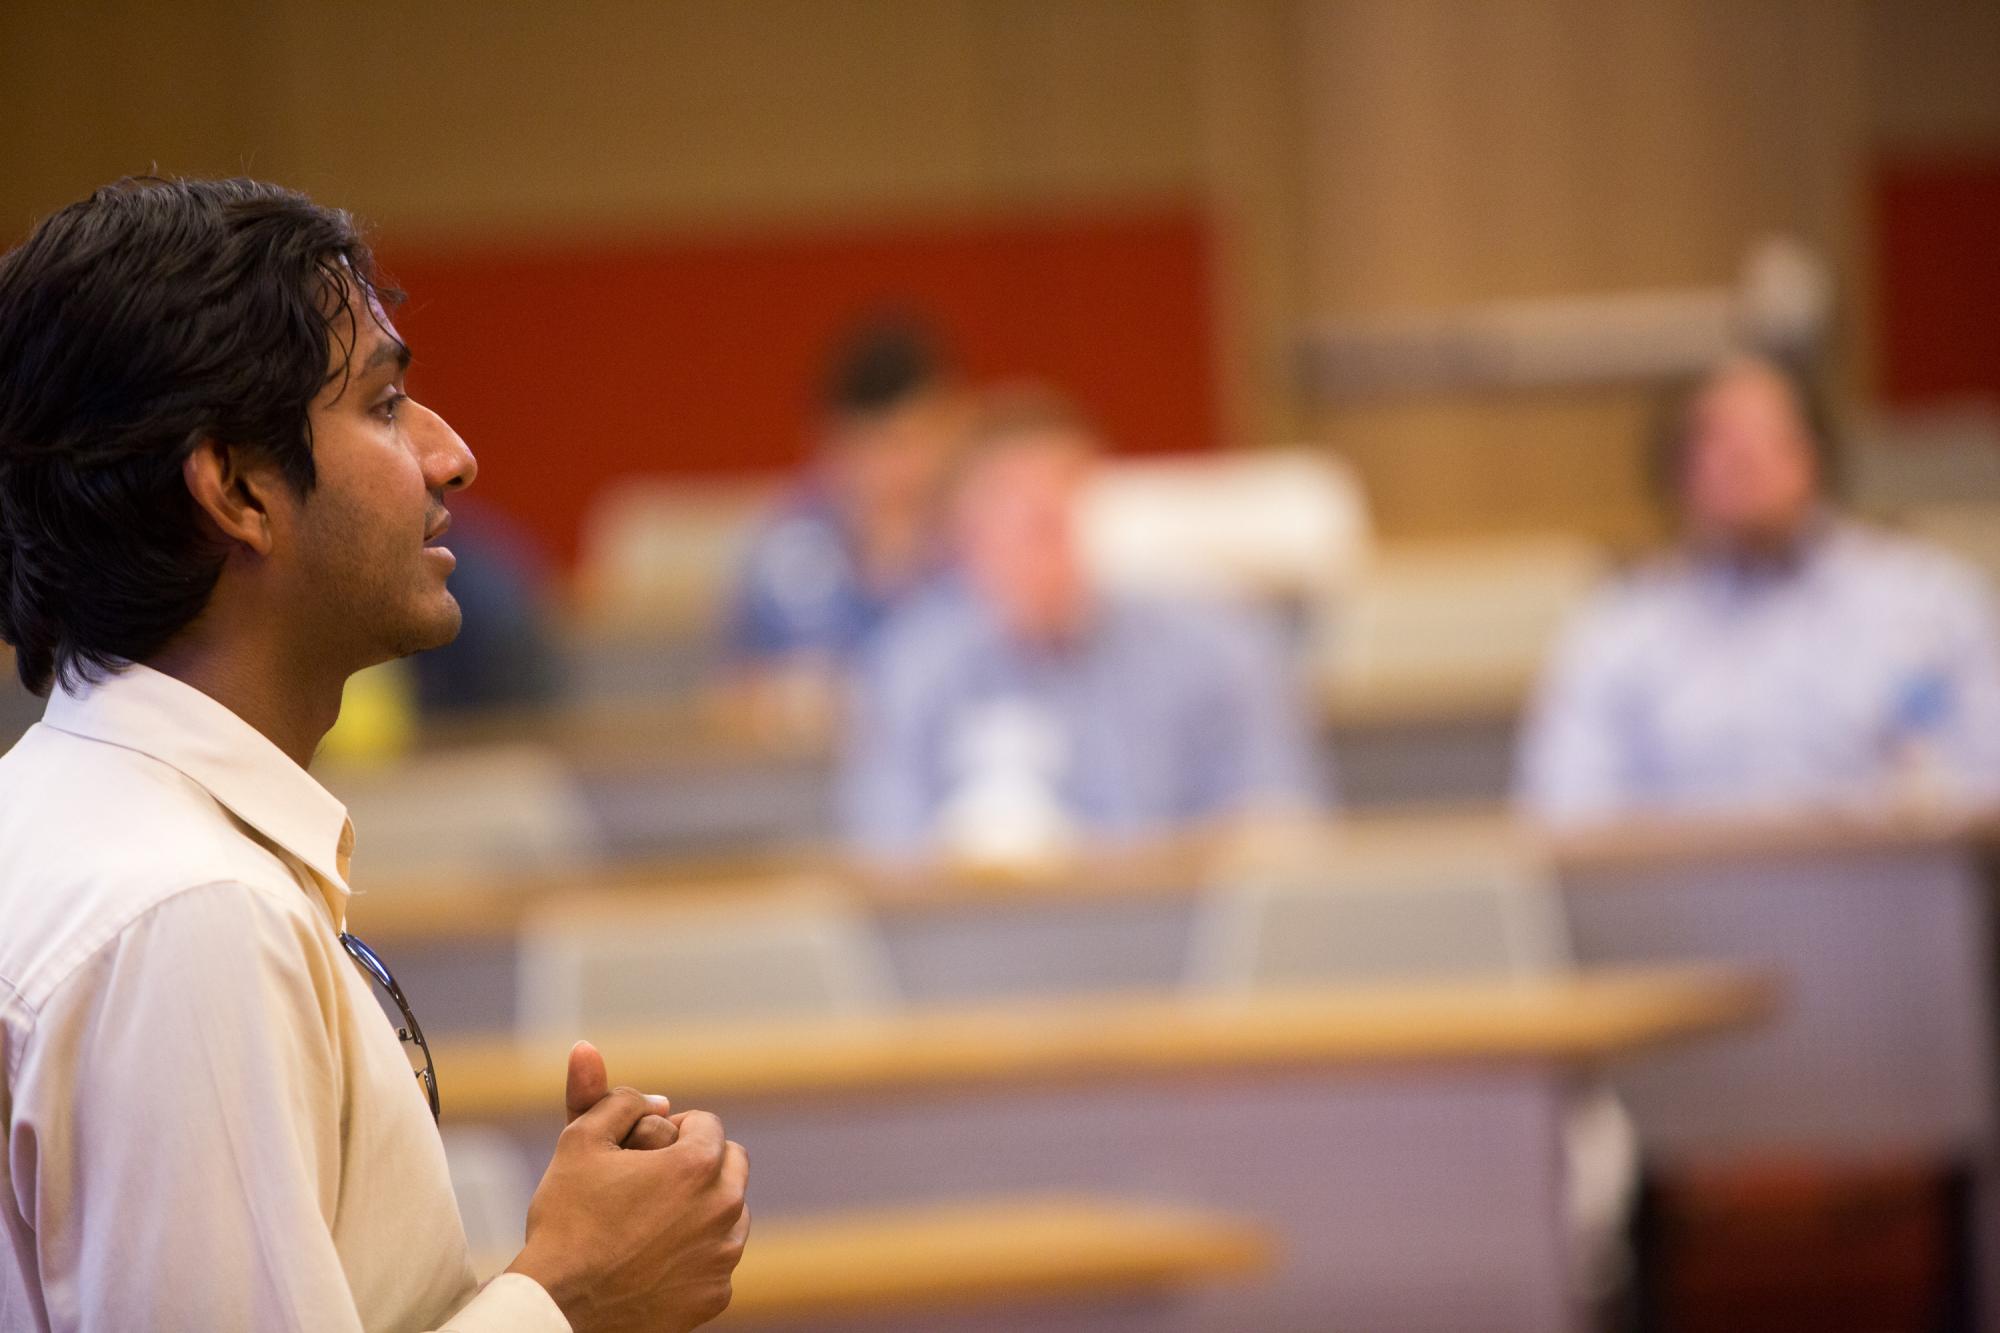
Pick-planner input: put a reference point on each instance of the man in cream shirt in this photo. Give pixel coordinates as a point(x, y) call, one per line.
point(217, 501)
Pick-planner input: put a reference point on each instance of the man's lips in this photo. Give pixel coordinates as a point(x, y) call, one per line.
point(437, 530)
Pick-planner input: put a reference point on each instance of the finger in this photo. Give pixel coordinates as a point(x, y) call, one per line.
point(701, 1136)
point(655, 1131)
point(735, 1173)
point(587, 1083)
point(613, 1117)
point(651, 1133)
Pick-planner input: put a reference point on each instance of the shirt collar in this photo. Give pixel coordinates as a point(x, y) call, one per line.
point(154, 714)
point(1733, 577)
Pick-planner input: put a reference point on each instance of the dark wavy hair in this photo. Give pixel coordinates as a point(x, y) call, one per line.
point(883, 362)
point(135, 324)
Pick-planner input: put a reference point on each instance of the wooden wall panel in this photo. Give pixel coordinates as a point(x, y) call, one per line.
point(1524, 148)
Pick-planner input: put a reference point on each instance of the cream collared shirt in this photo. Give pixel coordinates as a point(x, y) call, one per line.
point(209, 1124)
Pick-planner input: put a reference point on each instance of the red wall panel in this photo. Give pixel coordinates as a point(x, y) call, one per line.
point(569, 363)
point(1937, 234)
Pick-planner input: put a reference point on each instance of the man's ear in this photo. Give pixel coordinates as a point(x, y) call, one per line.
point(233, 493)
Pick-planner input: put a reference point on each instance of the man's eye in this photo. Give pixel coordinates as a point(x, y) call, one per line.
point(391, 405)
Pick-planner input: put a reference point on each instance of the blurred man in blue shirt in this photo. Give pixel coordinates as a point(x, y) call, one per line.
point(862, 532)
point(1784, 656)
point(1017, 708)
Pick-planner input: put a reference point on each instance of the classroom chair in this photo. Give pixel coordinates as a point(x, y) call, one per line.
point(658, 555)
point(1287, 525)
point(459, 814)
point(790, 951)
point(1460, 613)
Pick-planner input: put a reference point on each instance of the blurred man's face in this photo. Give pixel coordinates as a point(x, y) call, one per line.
point(894, 461)
point(1749, 477)
point(1017, 532)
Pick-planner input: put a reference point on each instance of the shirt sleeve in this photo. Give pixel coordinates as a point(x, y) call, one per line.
point(178, 1109)
point(794, 593)
point(887, 798)
point(510, 1303)
point(754, 629)
point(1262, 755)
point(1970, 745)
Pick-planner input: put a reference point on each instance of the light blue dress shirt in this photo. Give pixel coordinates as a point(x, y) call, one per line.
point(800, 591)
point(1162, 713)
point(1869, 662)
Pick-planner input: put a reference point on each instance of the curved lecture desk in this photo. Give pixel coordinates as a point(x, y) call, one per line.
point(1883, 933)
point(1879, 929)
point(1402, 1143)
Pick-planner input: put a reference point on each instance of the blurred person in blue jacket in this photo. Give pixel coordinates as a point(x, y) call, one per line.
point(1016, 709)
point(1783, 656)
point(507, 655)
point(861, 531)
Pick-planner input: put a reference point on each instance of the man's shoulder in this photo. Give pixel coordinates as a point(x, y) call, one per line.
point(1637, 614)
point(940, 623)
point(1194, 631)
point(1902, 565)
point(74, 806)
point(797, 532)
point(93, 837)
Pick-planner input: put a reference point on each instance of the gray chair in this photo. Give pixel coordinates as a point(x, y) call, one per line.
point(793, 950)
point(460, 814)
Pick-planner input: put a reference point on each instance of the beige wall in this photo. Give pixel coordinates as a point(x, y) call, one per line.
point(462, 113)
point(1359, 155)
point(1463, 152)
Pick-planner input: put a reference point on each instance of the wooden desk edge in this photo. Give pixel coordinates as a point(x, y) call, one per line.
point(1667, 841)
point(1098, 1245)
point(463, 905)
point(1585, 1019)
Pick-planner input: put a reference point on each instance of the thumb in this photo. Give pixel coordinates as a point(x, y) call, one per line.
point(588, 1083)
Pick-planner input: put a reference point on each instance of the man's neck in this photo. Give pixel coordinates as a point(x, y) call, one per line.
point(889, 548)
point(1779, 550)
point(293, 709)
point(1055, 629)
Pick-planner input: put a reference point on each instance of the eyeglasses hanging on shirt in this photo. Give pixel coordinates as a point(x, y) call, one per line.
point(411, 1034)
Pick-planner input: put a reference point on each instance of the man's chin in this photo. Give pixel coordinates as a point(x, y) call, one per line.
point(434, 630)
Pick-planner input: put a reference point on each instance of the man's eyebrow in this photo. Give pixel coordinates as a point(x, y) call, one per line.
point(390, 349)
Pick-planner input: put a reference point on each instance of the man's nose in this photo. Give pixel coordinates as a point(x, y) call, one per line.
point(447, 462)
